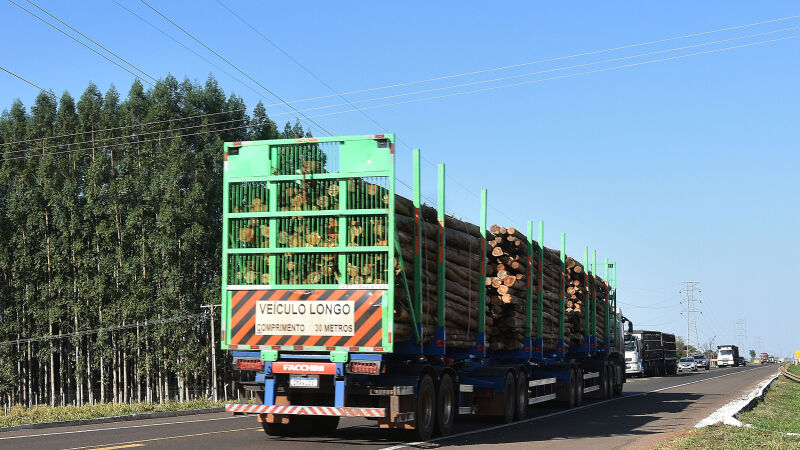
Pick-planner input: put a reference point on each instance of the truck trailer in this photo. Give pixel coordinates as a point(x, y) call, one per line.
point(313, 318)
point(650, 353)
point(727, 356)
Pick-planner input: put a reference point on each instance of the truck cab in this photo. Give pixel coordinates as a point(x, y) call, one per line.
point(727, 356)
point(633, 358)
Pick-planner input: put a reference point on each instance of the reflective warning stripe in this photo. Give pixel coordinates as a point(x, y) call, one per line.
point(305, 410)
point(368, 330)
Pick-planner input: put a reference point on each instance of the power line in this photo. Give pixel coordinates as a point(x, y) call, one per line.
point(79, 42)
point(233, 65)
point(513, 66)
point(112, 138)
point(91, 40)
point(248, 86)
point(101, 130)
point(202, 315)
point(410, 101)
point(29, 82)
point(105, 147)
point(529, 74)
point(560, 77)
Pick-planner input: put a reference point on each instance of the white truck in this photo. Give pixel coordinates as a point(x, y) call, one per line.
point(727, 356)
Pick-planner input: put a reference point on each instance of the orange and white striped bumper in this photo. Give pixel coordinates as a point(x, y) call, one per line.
point(305, 410)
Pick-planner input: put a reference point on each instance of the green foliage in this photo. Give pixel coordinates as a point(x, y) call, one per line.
point(752, 354)
point(19, 415)
point(108, 219)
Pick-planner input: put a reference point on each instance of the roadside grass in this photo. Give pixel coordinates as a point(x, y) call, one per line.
point(794, 368)
point(19, 415)
point(777, 414)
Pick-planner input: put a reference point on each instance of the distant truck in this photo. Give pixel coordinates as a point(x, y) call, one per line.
point(764, 358)
point(727, 356)
point(650, 353)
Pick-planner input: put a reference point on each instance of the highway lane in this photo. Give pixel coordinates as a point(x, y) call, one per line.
point(648, 411)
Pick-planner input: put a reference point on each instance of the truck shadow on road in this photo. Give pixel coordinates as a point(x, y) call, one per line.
point(633, 416)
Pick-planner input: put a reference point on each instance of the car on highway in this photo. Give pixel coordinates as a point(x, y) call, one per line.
point(702, 361)
point(687, 363)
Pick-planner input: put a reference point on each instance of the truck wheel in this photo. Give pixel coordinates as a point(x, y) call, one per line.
point(426, 409)
point(617, 387)
point(605, 382)
point(509, 399)
point(446, 406)
point(522, 395)
point(578, 387)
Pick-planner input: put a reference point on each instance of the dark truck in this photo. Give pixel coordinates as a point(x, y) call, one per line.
point(650, 353)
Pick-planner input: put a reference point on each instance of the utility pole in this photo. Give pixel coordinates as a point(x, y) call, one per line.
point(213, 352)
point(741, 332)
point(688, 291)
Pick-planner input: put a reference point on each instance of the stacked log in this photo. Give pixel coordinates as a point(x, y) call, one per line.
point(506, 284)
point(463, 260)
point(506, 254)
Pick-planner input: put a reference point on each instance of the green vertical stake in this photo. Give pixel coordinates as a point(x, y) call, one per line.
point(562, 312)
point(587, 314)
point(529, 288)
point(482, 283)
point(442, 248)
point(540, 287)
point(418, 238)
point(594, 294)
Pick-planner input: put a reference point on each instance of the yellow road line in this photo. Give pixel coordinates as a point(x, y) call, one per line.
point(114, 447)
point(140, 443)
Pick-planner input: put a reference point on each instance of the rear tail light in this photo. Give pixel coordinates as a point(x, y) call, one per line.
point(249, 364)
point(365, 367)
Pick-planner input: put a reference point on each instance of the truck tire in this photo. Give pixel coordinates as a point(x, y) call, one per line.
point(509, 399)
point(617, 386)
point(446, 407)
point(522, 395)
point(578, 387)
point(426, 409)
point(605, 382)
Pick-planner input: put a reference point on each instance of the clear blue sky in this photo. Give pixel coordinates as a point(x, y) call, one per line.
point(679, 170)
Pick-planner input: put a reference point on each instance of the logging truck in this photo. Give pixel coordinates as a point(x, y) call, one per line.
point(341, 298)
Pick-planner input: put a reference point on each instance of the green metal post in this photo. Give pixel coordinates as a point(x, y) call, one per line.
point(529, 290)
point(540, 287)
point(442, 248)
point(588, 313)
point(417, 236)
point(614, 299)
point(561, 296)
point(608, 303)
point(594, 294)
point(482, 282)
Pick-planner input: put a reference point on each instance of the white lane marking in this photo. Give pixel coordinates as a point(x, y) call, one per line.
point(56, 433)
point(558, 413)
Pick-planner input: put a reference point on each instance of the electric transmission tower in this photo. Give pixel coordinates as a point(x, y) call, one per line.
point(688, 291)
point(741, 332)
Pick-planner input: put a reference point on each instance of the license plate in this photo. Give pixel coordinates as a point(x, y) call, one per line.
point(304, 381)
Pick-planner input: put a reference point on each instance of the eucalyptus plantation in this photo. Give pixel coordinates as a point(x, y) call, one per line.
point(110, 220)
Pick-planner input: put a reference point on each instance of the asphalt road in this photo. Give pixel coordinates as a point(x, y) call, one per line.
point(648, 411)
